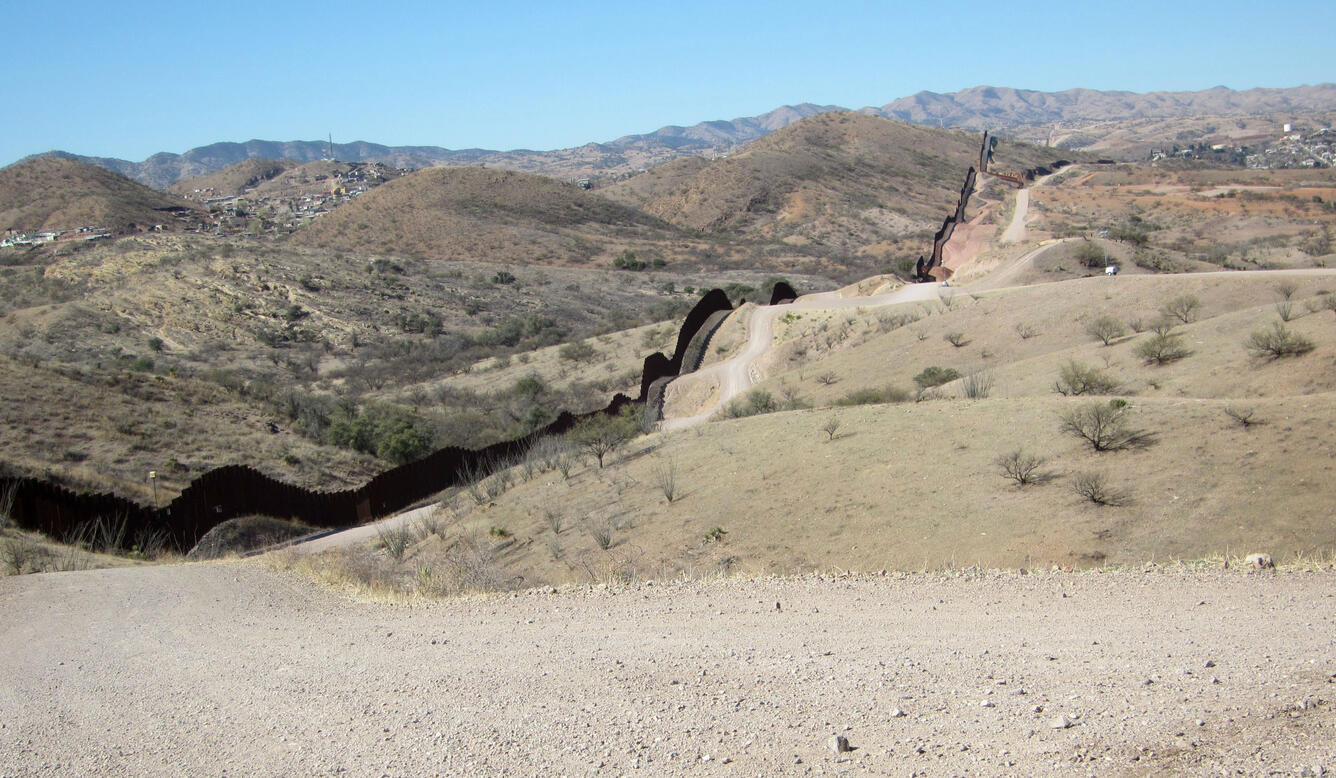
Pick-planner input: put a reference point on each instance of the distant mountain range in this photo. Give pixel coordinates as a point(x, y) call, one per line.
point(983, 107)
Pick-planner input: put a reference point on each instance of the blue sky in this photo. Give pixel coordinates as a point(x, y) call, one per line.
point(130, 79)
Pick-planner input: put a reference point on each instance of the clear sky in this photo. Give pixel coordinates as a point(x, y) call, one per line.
point(133, 78)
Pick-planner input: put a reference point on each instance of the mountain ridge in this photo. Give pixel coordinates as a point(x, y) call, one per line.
point(975, 108)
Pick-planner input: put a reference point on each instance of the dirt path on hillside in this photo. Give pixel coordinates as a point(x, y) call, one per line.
point(232, 669)
point(1015, 232)
point(738, 375)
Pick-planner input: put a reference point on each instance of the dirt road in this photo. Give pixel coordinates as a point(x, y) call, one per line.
point(232, 669)
point(737, 375)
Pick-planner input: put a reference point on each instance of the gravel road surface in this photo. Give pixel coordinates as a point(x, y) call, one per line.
point(234, 669)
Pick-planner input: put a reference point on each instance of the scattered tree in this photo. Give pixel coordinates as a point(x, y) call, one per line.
point(1075, 378)
point(1103, 425)
point(602, 434)
point(1185, 308)
point(1106, 328)
point(1279, 342)
point(831, 427)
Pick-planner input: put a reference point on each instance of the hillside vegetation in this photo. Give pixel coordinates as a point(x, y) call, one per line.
point(61, 194)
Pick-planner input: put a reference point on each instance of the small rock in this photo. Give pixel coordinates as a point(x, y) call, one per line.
point(838, 743)
point(1061, 722)
point(1259, 561)
point(988, 704)
point(896, 713)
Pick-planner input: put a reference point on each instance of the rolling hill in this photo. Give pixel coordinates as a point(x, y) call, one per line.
point(62, 194)
point(484, 214)
point(845, 182)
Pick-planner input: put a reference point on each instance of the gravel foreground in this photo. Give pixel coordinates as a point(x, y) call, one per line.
point(235, 669)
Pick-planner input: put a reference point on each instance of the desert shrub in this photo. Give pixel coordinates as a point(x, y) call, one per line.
point(1244, 416)
point(956, 339)
point(827, 378)
point(1021, 467)
point(935, 376)
point(1162, 348)
point(753, 404)
point(872, 396)
point(1106, 329)
point(831, 427)
point(601, 532)
point(1103, 425)
point(1185, 308)
point(1278, 342)
point(1026, 331)
point(8, 496)
point(1095, 487)
point(977, 384)
point(395, 538)
point(579, 351)
point(1091, 255)
point(1076, 378)
point(665, 478)
point(602, 434)
point(1285, 309)
point(1286, 289)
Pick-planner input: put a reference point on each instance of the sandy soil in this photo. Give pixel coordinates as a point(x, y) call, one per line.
point(233, 669)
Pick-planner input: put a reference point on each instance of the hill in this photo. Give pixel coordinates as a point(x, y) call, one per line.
point(487, 215)
point(234, 179)
point(844, 183)
point(60, 194)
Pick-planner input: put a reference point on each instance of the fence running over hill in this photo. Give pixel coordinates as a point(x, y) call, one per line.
point(238, 490)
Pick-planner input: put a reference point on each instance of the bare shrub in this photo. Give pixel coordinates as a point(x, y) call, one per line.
point(977, 384)
point(497, 483)
point(1076, 378)
point(1021, 467)
point(1244, 416)
point(827, 378)
point(1285, 309)
point(1185, 308)
point(1286, 289)
point(472, 476)
point(554, 520)
point(831, 427)
point(956, 339)
point(1106, 328)
point(1027, 331)
point(665, 478)
point(1279, 342)
point(1103, 425)
point(20, 555)
point(1137, 324)
point(1095, 487)
point(601, 532)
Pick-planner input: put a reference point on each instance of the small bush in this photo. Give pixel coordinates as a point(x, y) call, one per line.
point(871, 396)
point(1162, 348)
point(1096, 488)
point(827, 378)
point(755, 403)
point(1021, 467)
point(831, 427)
point(580, 351)
point(394, 539)
point(602, 534)
point(977, 384)
point(1244, 416)
point(1103, 425)
point(665, 478)
point(935, 376)
point(1185, 308)
point(1285, 309)
point(1106, 328)
point(1279, 342)
point(956, 339)
point(1075, 378)
point(1027, 331)
point(1286, 289)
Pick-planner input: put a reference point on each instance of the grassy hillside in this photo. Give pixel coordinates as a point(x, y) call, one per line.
point(489, 215)
point(1232, 452)
point(50, 193)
